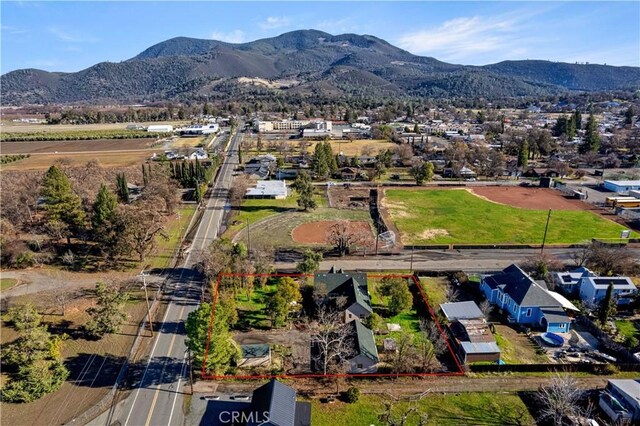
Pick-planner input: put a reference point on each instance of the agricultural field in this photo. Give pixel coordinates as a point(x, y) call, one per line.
point(108, 152)
point(116, 159)
point(78, 135)
point(11, 127)
point(76, 146)
point(459, 216)
point(470, 408)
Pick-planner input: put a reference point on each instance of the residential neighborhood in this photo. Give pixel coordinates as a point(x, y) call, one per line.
point(320, 214)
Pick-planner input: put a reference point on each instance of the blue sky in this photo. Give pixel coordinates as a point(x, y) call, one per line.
point(70, 36)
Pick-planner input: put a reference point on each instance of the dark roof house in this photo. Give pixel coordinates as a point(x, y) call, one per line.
point(278, 402)
point(351, 287)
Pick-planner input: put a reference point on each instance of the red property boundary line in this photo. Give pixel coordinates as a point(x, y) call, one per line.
point(206, 376)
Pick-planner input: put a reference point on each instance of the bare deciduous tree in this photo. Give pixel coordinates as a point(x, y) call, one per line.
point(239, 189)
point(411, 415)
point(486, 308)
point(331, 341)
point(344, 237)
point(453, 294)
point(406, 356)
point(560, 400)
point(142, 224)
point(430, 344)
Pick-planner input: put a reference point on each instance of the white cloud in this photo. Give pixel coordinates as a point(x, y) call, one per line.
point(462, 37)
point(13, 30)
point(273, 22)
point(70, 37)
point(337, 26)
point(235, 36)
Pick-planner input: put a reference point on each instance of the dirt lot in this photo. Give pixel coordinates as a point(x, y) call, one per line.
point(49, 147)
point(358, 147)
point(318, 232)
point(349, 198)
point(528, 198)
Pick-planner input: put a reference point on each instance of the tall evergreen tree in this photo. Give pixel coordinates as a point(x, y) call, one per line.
point(607, 305)
point(304, 188)
point(62, 205)
point(523, 154)
point(122, 188)
point(145, 178)
point(591, 141)
point(628, 115)
point(577, 119)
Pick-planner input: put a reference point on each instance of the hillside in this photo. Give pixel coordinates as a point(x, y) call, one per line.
point(343, 65)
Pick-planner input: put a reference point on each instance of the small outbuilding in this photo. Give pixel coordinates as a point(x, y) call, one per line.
point(256, 355)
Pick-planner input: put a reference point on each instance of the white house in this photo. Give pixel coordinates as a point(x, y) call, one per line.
point(594, 289)
point(198, 154)
point(276, 189)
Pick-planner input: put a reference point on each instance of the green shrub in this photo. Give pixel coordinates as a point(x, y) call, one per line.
point(25, 260)
point(352, 395)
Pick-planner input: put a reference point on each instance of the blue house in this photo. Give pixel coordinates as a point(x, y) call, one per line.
point(528, 302)
point(569, 282)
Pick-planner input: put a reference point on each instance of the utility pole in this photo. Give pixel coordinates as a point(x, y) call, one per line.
point(546, 228)
point(248, 239)
point(146, 297)
point(190, 370)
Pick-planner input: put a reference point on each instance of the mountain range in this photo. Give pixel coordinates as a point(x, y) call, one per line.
point(304, 62)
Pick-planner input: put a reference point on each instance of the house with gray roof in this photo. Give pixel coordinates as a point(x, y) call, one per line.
point(569, 282)
point(593, 290)
point(345, 291)
point(527, 301)
point(272, 404)
point(365, 352)
point(620, 400)
point(276, 403)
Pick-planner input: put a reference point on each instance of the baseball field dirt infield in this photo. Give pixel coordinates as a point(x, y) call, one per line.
point(318, 232)
point(528, 198)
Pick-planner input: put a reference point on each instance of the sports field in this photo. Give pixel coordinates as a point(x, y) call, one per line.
point(460, 217)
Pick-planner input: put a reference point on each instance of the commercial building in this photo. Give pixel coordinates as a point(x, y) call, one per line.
point(622, 186)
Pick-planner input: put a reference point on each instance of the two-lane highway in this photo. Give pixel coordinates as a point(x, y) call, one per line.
point(157, 399)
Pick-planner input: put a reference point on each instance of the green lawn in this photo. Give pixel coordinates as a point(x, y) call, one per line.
point(450, 409)
point(435, 289)
point(175, 228)
point(456, 216)
point(516, 348)
point(251, 311)
point(257, 209)
point(7, 283)
point(627, 329)
point(408, 321)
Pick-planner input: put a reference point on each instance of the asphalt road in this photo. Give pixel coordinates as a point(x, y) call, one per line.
point(157, 398)
point(442, 260)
